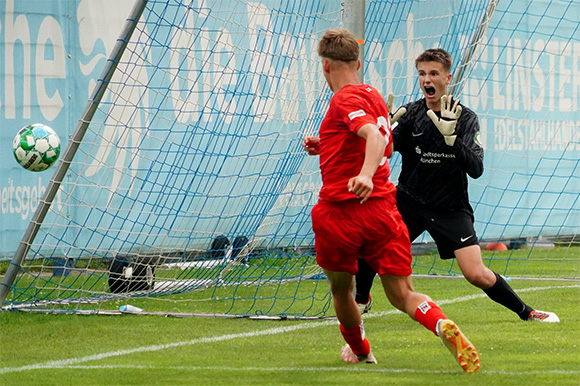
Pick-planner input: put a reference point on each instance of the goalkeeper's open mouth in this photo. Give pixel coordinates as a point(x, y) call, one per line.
point(430, 91)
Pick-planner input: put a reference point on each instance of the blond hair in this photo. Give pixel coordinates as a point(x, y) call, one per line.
point(338, 44)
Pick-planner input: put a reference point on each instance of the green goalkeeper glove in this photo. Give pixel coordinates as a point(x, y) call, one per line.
point(449, 116)
point(398, 114)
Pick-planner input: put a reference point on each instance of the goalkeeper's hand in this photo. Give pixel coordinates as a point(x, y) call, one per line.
point(448, 121)
point(398, 114)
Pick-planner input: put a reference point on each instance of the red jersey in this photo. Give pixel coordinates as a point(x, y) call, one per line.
point(342, 151)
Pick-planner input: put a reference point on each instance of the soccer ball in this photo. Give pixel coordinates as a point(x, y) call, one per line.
point(36, 147)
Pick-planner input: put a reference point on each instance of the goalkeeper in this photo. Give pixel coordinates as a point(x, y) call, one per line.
point(438, 140)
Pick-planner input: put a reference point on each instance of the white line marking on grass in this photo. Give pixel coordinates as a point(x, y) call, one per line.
point(96, 357)
point(270, 331)
point(346, 368)
point(478, 296)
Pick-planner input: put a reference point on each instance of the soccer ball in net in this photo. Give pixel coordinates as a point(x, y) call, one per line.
point(36, 147)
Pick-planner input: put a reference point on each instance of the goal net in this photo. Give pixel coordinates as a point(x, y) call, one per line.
point(187, 190)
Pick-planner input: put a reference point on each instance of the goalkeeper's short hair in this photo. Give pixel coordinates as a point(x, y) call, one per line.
point(435, 55)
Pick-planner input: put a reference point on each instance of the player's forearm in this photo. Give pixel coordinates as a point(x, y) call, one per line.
point(471, 159)
point(468, 150)
point(374, 152)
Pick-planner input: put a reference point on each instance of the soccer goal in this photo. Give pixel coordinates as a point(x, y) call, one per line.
point(184, 187)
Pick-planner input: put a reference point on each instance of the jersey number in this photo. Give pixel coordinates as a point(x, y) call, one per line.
point(385, 126)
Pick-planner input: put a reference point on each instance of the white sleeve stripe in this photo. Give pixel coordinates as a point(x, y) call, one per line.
point(356, 114)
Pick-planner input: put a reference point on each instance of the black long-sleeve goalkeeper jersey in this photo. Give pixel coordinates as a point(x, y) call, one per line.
point(433, 173)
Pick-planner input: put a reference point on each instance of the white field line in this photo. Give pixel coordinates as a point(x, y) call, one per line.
point(70, 363)
point(348, 369)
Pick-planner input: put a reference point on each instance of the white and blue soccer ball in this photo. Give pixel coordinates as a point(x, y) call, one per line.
point(36, 147)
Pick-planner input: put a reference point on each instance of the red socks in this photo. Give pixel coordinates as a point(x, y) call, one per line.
point(355, 337)
point(428, 314)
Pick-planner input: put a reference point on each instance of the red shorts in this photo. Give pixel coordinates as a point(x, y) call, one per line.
point(375, 231)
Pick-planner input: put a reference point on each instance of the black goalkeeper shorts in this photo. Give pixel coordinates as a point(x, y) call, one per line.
point(449, 230)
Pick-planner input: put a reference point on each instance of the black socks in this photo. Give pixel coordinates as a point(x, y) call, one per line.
point(364, 282)
point(503, 294)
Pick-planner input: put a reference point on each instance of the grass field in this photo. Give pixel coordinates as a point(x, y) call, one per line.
point(37, 349)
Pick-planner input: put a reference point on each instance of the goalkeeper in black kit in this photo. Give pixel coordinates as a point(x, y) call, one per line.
point(438, 140)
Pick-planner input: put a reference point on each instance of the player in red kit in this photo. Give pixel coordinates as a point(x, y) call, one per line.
point(356, 214)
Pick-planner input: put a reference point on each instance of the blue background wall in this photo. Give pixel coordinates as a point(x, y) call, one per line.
point(52, 52)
